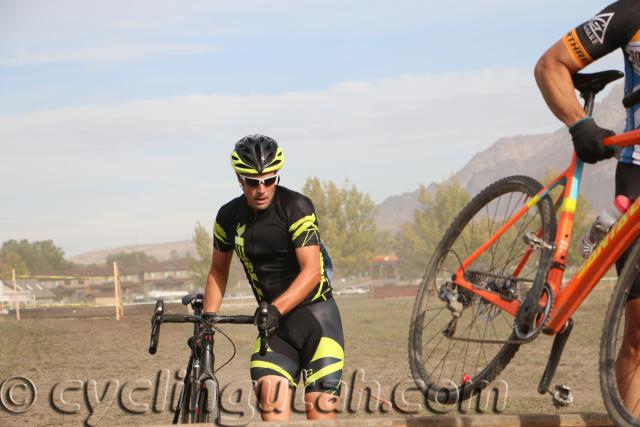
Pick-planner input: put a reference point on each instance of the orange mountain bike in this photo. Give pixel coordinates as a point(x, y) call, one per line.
point(495, 282)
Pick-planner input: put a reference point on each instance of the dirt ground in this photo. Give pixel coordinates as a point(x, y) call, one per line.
point(97, 371)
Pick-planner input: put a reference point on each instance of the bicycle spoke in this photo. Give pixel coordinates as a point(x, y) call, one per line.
point(484, 332)
point(523, 226)
point(453, 343)
point(508, 214)
point(464, 360)
point(434, 318)
point(494, 247)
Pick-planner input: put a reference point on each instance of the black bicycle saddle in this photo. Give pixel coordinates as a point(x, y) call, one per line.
point(189, 298)
point(595, 82)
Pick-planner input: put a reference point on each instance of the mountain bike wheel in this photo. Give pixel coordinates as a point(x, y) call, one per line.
point(616, 381)
point(451, 359)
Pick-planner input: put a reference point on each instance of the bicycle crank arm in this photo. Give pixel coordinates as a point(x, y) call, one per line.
point(554, 357)
point(525, 322)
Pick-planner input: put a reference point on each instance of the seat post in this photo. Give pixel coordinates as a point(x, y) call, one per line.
point(590, 84)
point(589, 98)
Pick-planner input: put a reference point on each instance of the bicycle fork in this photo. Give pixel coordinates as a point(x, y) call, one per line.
point(185, 384)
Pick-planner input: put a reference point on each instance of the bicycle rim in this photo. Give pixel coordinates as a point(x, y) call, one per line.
point(618, 370)
point(452, 359)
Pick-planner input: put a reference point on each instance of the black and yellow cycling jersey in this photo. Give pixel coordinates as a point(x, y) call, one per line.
point(308, 342)
point(266, 241)
point(617, 26)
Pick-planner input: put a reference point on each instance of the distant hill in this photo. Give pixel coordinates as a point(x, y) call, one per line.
point(160, 251)
point(529, 155)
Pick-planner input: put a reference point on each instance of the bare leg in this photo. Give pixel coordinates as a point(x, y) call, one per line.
point(321, 406)
point(276, 398)
point(628, 361)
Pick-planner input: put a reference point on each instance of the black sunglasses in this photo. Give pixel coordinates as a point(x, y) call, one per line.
point(255, 182)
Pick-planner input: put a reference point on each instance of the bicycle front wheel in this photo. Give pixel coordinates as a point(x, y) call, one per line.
point(458, 342)
point(619, 363)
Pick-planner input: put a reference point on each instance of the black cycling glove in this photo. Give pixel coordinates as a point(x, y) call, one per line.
point(587, 140)
point(272, 320)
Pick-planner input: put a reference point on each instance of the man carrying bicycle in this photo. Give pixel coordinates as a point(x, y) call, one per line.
point(275, 233)
point(617, 26)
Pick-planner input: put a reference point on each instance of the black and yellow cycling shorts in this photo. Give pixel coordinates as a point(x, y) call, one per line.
point(309, 341)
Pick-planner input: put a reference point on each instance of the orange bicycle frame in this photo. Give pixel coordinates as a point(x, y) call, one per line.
point(567, 298)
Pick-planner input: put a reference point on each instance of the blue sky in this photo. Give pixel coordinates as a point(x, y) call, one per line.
point(117, 118)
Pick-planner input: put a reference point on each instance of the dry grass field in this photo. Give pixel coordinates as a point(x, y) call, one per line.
point(70, 354)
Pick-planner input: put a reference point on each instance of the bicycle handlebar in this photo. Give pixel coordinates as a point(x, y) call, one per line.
point(188, 318)
point(159, 317)
point(178, 318)
point(624, 139)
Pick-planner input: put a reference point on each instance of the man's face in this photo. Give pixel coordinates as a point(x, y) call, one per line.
point(259, 189)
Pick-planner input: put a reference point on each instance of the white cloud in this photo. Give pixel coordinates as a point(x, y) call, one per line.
point(167, 159)
point(409, 110)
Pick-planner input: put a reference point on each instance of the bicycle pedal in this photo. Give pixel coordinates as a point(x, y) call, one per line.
point(562, 396)
point(535, 242)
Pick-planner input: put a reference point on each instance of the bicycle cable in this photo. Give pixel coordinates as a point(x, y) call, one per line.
point(233, 345)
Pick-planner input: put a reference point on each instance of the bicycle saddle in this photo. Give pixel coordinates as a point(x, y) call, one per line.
point(595, 82)
point(189, 298)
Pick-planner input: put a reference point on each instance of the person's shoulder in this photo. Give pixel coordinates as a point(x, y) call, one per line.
point(288, 197)
point(232, 207)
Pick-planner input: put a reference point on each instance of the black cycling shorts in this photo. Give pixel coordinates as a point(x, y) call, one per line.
point(628, 184)
point(309, 341)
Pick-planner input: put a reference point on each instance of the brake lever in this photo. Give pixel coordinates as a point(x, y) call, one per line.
point(156, 321)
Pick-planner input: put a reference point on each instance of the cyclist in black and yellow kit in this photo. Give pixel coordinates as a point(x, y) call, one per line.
point(615, 27)
point(274, 231)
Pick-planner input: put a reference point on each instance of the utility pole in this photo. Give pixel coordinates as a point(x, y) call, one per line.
point(15, 293)
point(118, 295)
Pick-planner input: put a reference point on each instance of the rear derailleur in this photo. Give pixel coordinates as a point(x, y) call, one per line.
point(449, 293)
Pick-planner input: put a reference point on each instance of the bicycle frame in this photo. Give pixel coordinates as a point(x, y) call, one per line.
point(568, 298)
point(201, 362)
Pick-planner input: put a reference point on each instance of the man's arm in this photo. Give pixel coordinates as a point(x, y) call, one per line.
point(309, 276)
point(553, 74)
point(217, 280)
